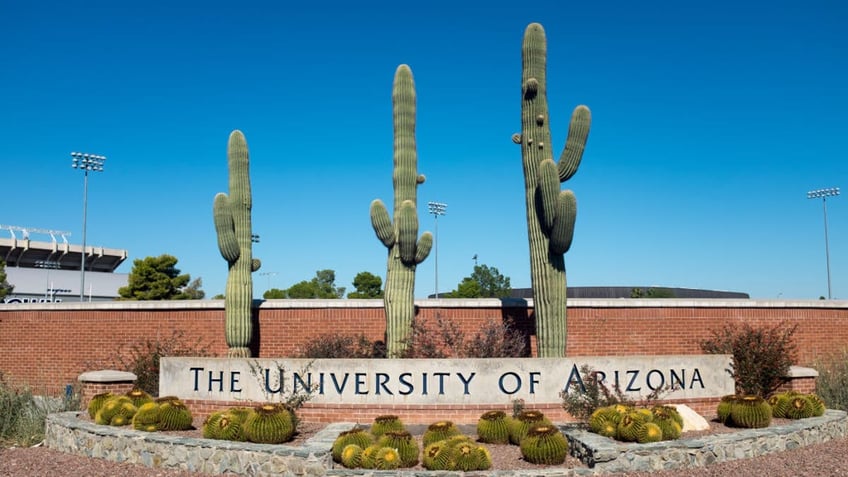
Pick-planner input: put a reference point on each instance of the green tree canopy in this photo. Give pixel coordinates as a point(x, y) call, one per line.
point(367, 285)
point(274, 293)
point(323, 285)
point(157, 278)
point(484, 282)
point(193, 290)
point(5, 287)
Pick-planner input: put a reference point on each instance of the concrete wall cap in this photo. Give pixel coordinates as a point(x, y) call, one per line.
point(107, 376)
point(801, 372)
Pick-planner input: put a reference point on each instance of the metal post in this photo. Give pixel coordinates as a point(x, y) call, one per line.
point(824, 194)
point(437, 209)
point(269, 275)
point(85, 162)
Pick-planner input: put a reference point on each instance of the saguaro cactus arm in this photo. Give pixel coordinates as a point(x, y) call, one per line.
point(422, 250)
point(224, 226)
point(563, 230)
point(382, 223)
point(575, 143)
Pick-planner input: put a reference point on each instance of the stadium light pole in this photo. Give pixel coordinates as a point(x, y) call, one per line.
point(269, 275)
point(823, 194)
point(86, 163)
point(437, 209)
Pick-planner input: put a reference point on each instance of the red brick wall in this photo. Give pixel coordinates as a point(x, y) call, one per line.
point(47, 346)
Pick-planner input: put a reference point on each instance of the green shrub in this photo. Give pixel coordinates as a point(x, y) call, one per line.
point(832, 382)
point(22, 413)
point(761, 356)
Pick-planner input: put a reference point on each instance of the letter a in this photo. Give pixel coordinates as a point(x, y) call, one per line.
point(574, 378)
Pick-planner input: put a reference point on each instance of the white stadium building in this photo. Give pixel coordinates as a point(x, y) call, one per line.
point(49, 269)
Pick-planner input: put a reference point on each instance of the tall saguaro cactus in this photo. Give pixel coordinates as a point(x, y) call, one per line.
point(550, 212)
point(400, 236)
point(235, 241)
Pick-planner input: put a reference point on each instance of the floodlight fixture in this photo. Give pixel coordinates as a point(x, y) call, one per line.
point(87, 163)
point(437, 209)
point(823, 194)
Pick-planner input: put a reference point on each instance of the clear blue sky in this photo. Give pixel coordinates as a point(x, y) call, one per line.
point(711, 121)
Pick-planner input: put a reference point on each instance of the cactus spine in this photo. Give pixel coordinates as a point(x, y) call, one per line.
point(399, 236)
point(233, 225)
point(550, 212)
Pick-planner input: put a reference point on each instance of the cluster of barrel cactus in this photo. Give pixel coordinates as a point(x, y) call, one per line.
point(755, 412)
point(388, 445)
point(540, 441)
point(445, 447)
point(270, 423)
point(794, 405)
point(630, 424)
point(142, 411)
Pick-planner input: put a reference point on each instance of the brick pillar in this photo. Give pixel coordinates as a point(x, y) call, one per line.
point(107, 380)
point(799, 379)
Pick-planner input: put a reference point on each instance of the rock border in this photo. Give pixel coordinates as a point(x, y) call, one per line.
point(67, 433)
point(604, 455)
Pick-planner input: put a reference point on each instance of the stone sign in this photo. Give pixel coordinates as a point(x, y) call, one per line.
point(439, 381)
